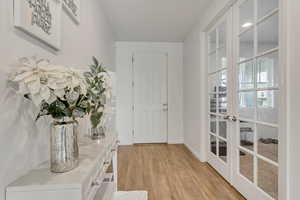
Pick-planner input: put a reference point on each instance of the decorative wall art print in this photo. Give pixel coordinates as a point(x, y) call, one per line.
point(72, 7)
point(40, 19)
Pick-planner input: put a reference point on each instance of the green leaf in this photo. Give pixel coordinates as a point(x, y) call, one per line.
point(88, 74)
point(95, 61)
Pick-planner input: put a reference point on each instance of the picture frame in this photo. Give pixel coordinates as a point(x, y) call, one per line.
point(72, 7)
point(40, 19)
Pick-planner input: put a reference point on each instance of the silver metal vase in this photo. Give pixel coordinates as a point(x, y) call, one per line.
point(64, 145)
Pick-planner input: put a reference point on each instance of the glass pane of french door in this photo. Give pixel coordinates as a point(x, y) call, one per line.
point(258, 96)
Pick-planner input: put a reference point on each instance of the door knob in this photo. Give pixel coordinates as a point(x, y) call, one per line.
point(233, 118)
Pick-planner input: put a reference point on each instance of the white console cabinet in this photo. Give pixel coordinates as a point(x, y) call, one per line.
point(88, 181)
point(94, 179)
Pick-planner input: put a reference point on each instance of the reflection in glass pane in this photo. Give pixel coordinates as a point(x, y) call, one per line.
point(247, 45)
point(267, 71)
point(223, 81)
point(223, 150)
point(267, 142)
point(213, 144)
point(267, 106)
point(222, 60)
point(213, 82)
point(246, 165)
point(222, 35)
point(246, 14)
point(222, 103)
point(267, 178)
point(247, 105)
point(246, 75)
point(213, 62)
point(268, 34)
point(222, 128)
point(266, 6)
point(247, 135)
point(213, 124)
point(212, 41)
point(213, 103)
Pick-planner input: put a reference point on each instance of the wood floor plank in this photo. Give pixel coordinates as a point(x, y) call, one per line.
point(170, 172)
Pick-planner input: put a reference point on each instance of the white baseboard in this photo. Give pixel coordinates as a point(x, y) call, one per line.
point(194, 152)
point(176, 141)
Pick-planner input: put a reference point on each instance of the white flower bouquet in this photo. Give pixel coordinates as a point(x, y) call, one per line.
point(58, 91)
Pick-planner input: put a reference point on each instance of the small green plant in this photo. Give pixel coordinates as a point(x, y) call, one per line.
point(98, 91)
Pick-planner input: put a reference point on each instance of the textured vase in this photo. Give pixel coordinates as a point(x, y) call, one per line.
point(64, 146)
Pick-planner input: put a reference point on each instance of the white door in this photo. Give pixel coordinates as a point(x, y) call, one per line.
point(256, 142)
point(220, 95)
point(150, 97)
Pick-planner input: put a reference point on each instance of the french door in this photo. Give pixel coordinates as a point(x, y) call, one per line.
point(219, 80)
point(255, 171)
point(150, 97)
point(244, 90)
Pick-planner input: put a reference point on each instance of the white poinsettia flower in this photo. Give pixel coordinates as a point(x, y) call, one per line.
point(32, 79)
point(52, 98)
point(45, 82)
point(59, 93)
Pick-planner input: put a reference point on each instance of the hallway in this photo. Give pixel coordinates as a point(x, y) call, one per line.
point(170, 172)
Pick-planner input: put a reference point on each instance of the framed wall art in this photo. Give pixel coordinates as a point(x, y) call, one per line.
point(72, 7)
point(40, 19)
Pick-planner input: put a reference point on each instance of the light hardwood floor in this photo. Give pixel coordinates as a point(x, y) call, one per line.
point(170, 172)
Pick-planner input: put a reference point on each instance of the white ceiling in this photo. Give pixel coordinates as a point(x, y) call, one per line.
point(153, 20)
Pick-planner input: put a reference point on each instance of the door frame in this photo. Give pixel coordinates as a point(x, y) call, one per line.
point(283, 157)
point(133, 90)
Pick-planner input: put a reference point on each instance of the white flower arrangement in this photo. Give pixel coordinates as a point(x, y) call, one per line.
point(58, 91)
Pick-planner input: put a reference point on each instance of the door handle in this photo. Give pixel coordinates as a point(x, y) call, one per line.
point(233, 118)
point(227, 117)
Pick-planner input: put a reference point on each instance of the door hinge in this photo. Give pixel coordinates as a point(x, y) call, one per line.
point(132, 132)
point(132, 58)
point(133, 108)
point(132, 83)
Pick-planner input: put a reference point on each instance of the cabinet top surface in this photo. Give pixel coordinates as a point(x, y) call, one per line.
point(90, 154)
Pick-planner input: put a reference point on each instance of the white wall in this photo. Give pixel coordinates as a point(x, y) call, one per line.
point(124, 51)
point(24, 143)
point(192, 87)
point(194, 81)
